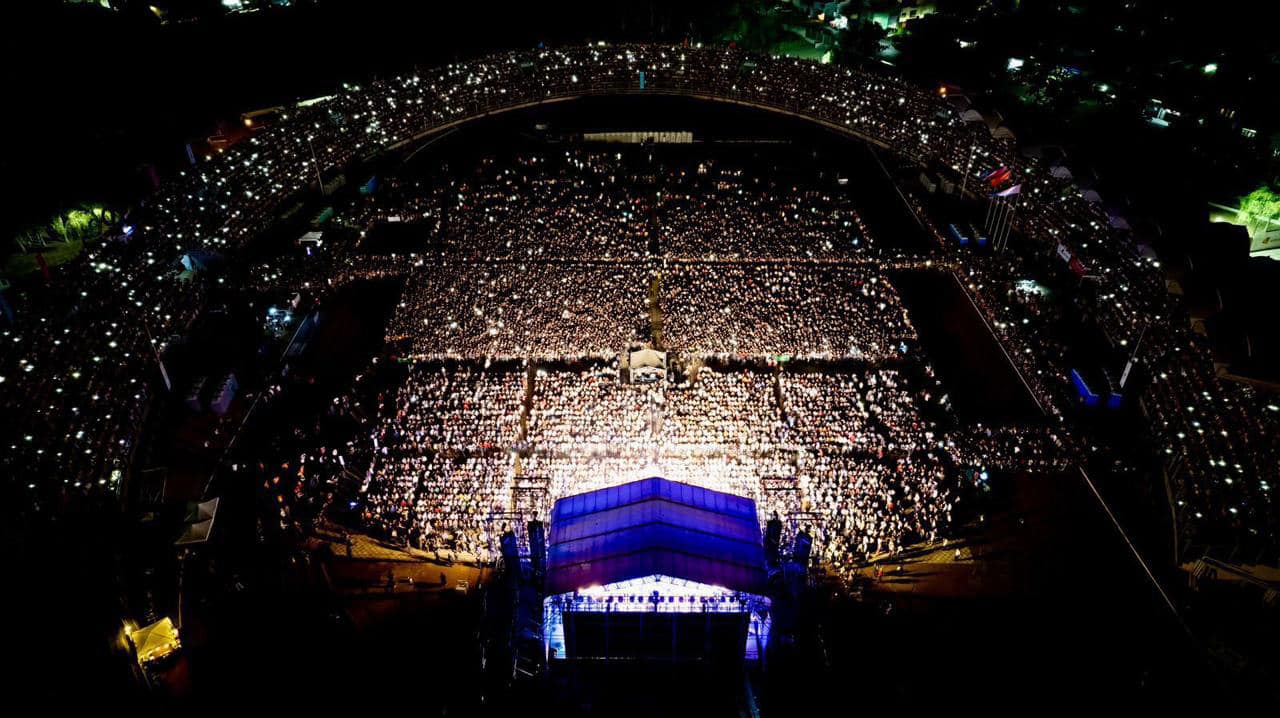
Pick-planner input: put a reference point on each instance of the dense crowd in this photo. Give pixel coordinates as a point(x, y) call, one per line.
point(783, 308)
point(441, 457)
point(851, 456)
point(562, 206)
point(76, 370)
point(520, 310)
point(717, 212)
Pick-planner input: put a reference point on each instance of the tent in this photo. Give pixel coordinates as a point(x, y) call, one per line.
point(620, 556)
point(648, 358)
point(155, 641)
point(199, 523)
point(655, 527)
point(648, 365)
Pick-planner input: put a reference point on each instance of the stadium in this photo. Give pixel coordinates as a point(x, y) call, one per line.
point(610, 363)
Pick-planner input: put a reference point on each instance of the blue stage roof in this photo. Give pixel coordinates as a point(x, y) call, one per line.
point(655, 526)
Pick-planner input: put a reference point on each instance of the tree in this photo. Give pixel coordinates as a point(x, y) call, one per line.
point(85, 223)
point(1260, 208)
point(756, 26)
point(859, 42)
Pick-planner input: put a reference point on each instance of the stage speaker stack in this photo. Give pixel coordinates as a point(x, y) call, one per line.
point(511, 552)
point(801, 549)
point(772, 541)
point(538, 549)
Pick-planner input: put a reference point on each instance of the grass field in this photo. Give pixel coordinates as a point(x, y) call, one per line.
point(20, 265)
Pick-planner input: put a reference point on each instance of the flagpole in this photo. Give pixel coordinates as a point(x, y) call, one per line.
point(1008, 215)
point(1013, 212)
point(965, 181)
point(1008, 227)
point(995, 218)
point(998, 229)
point(1016, 203)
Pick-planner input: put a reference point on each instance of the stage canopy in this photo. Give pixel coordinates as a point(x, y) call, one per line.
point(655, 527)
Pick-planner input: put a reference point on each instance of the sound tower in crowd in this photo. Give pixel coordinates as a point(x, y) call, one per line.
point(511, 551)
point(773, 541)
point(802, 548)
point(537, 549)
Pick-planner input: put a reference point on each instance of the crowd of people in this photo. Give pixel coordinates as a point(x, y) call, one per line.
point(1012, 448)
point(1018, 316)
point(723, 212)
point(871, 507)
point(876, 412)
point(441, 457)
point(571, 205)
point(820, 311)
point(77, 373)
point(79, 368)
point(852, 455)
point(522, 309)
point(873, 467)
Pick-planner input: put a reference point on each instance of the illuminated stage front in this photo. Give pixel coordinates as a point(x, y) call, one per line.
point(655, 570)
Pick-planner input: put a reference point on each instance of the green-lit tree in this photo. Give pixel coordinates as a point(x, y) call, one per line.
point(1260, 209)
point(85, 223)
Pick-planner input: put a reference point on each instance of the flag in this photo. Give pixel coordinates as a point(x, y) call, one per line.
point(1016, 189)
point(998, 177)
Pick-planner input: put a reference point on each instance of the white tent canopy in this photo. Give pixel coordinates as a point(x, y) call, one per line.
point(648, 358)
point(647, 365)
